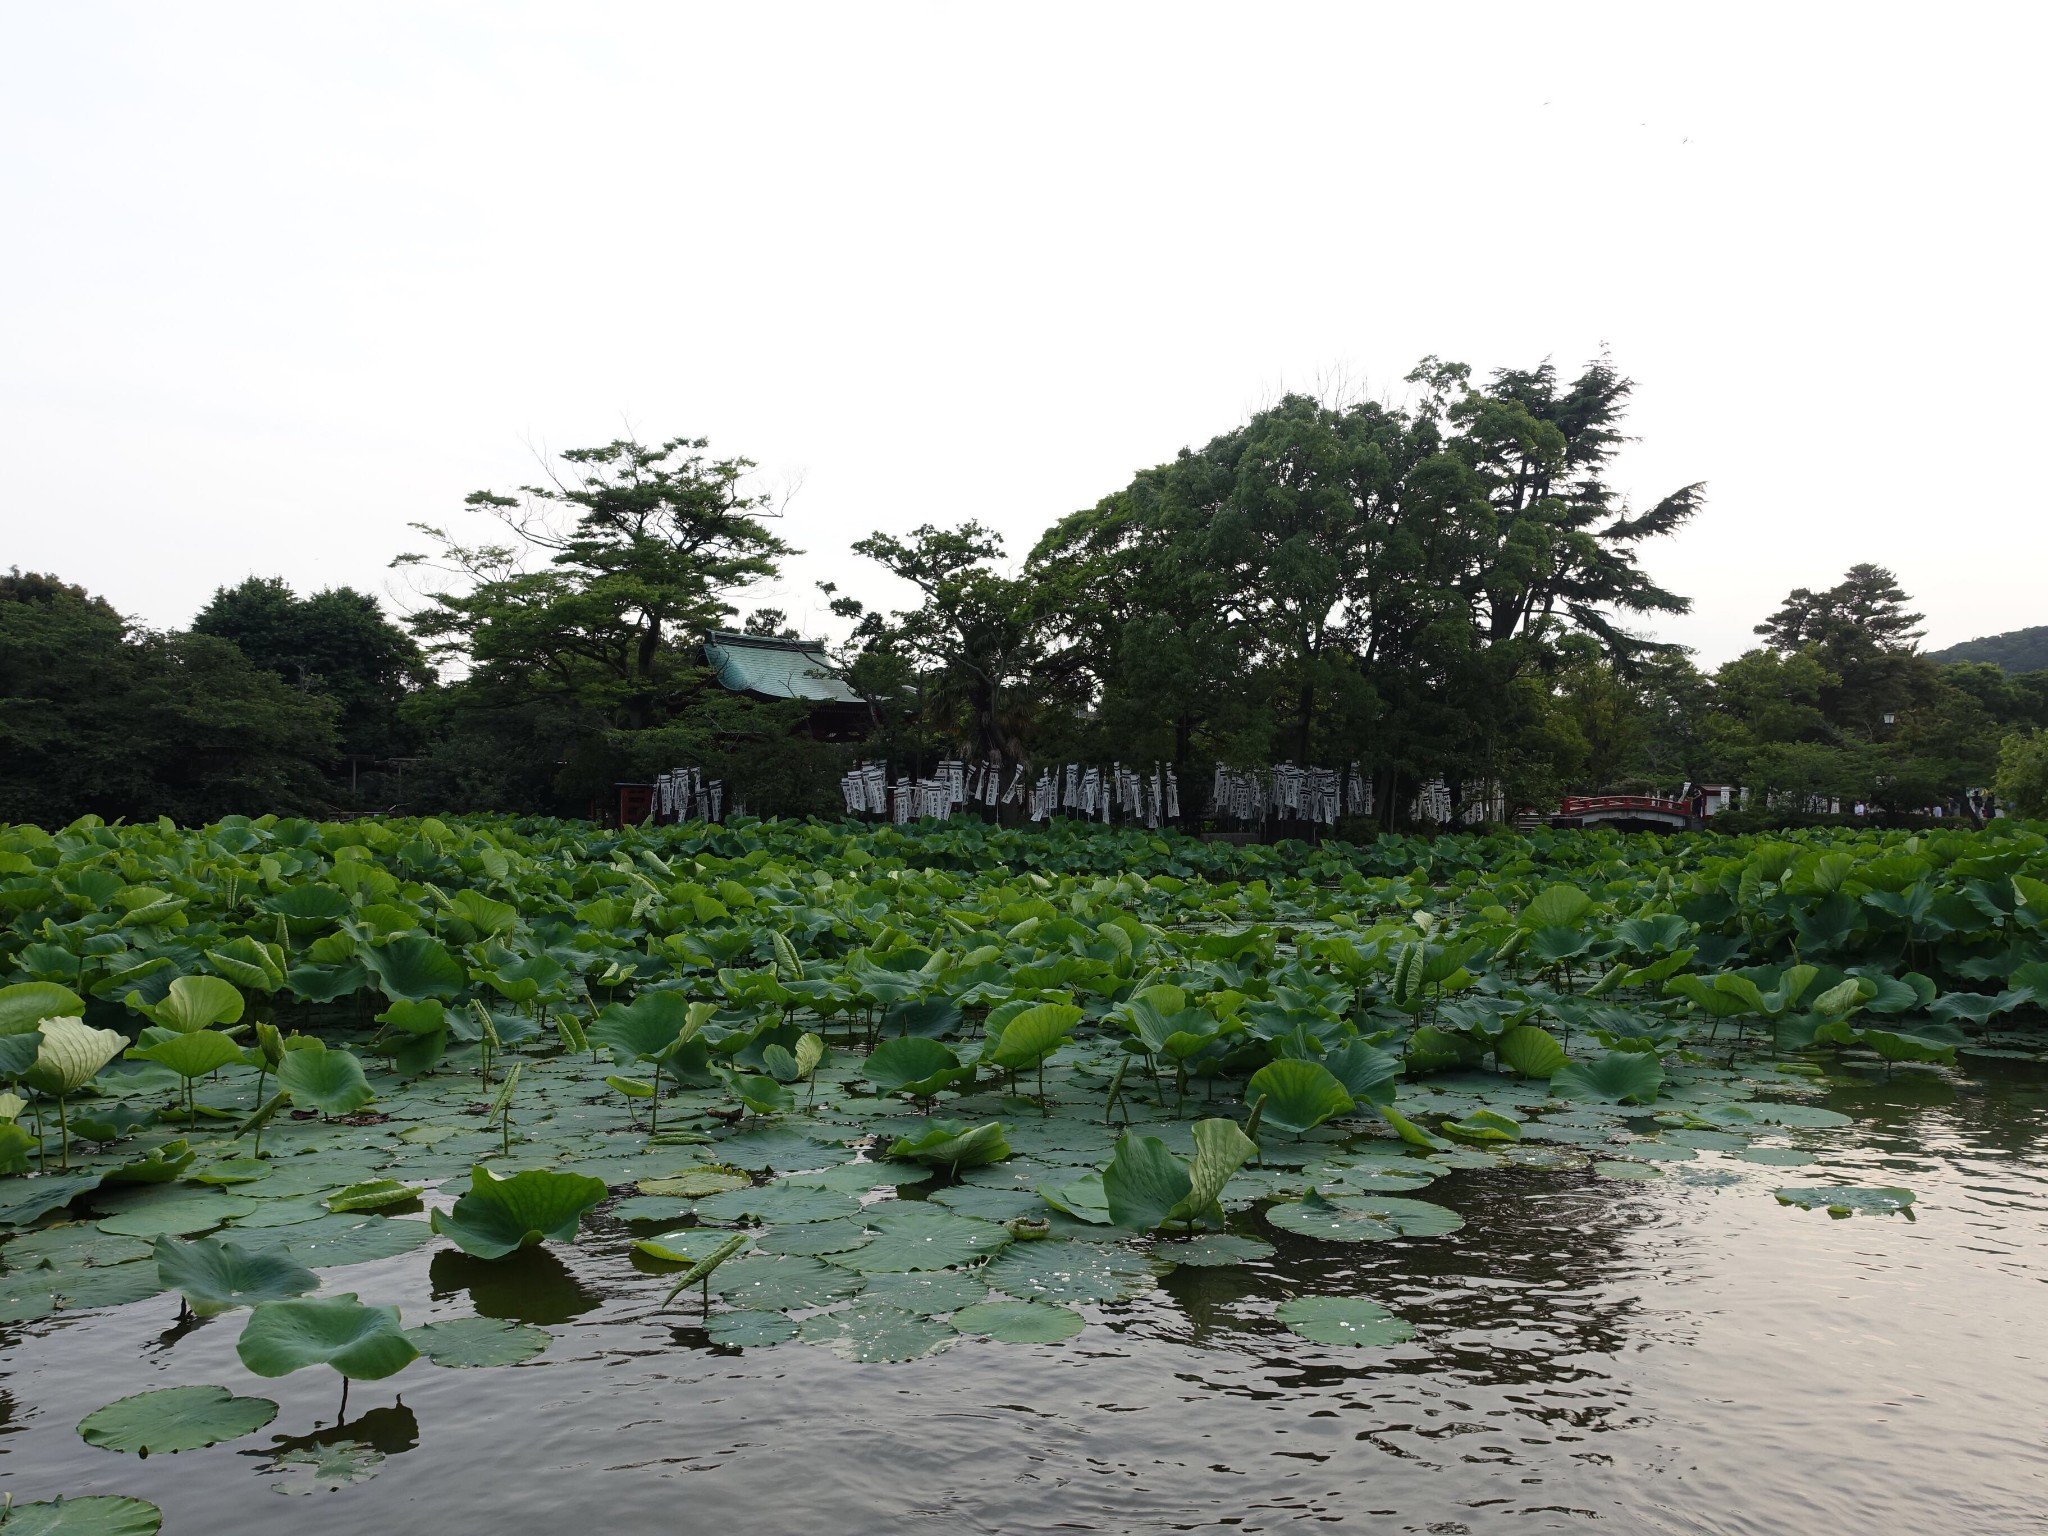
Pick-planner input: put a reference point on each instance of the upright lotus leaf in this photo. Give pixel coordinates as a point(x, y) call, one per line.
point(1220, 1150)
point(214, 1274)
point(953, 1144)
point(762, 1095)
point(1716, 1001)
point(1034, 1034)
point(190, 1055)
point(18, 1052)
point(1485, 1125)
point(26, 1004)
point(528, 978)
point(411, 967)
point(173, 1419)
point(415, 1033)
point(1144, 1183)
point(361, 1343)
point(1530, 1051)
point(1299, 1095)
point(1560, 906)
point(70, 1056)
point(914, 1065)
point(331, 1081)
point(250, 963)
point(1368, 1073)
point(501, 1216)
point(1619, 1077)
point(193, 1003)
point(650, 1028)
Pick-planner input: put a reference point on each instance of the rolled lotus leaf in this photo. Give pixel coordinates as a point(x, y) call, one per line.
point(71, 1055)
point(362, 1343)
point(501, 1216)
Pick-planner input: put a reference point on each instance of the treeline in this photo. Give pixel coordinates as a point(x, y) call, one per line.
point(1448, 590)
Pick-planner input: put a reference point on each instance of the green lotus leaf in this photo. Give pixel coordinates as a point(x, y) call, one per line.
point(310, 904)
point(1840, 1200)
point(1484, 1125)
point(216, 1275)
point(175, 1419)
point(194, 1003)
point(777, 1204)
point(1362, 1218)
point(1531, 1052)
point(252, 964)
point(870, 1331)
point(32, 1199)
point(1215, 1249)
point(1019, 1322)
point(159, 1165)
point(1085, 1199)
point(501, 1216)
point(1619, 1077)
point(372, 1195)
point(1144, 1183)
point(1350, 1320)
point(325, 1465)
point(1033, 1034)
point(355, 1238)
point(649, 1029)
point(927, 1292)
point(1617, 1169)
point(331, 1081)
point(1560, 906)
point(953, 1144)
point(26, 1004)
point(694, 1183)
point(750, 1330)
point(467, 1343)
point(1059, 1270)
point(914, 1065)
point(1299, 1095)
point(18, 1053)
point(170, 1209)
point(190, 1055)
point(761, 1095)
point(909, 1235)
point(362, 1343)
point(783, 1284)
point(411, 967)
point(232, 1172)
point(688, 1245)
point(100, 1514)
point(1369, 1075)
point(71, 1055)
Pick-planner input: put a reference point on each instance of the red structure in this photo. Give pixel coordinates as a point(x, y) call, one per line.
point(1661, 812)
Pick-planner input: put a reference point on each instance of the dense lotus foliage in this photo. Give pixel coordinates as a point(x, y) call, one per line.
point(886, 1090)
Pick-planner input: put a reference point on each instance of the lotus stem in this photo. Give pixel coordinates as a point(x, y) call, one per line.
point(64, 1127)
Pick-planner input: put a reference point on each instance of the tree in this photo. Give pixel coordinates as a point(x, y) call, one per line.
point(2023, 774)
point(971, 641)
point(582, 630)
point(99, 716)
point(336, 643)
point(1860, 631)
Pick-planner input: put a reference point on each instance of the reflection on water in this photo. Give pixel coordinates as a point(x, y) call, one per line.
point(1681, 1355)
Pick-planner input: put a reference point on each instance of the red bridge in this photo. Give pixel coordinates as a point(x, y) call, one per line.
point(1664, 813)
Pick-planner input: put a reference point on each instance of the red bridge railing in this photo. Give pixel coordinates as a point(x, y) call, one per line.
point(1579, 805)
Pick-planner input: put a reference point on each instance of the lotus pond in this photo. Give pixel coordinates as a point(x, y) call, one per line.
point(492, 1175)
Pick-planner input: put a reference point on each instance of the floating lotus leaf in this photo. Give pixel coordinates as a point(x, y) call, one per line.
point(909, 1235)
point(689, 1245)
point(175, 1210)
point(777, 1204)
point(231, 1172)
point(97, 1515)
point(500, 1216)
point(784, 1151)
point(750, 1330)
point(469, 1342)
point(1841, 1200)
point(815, 1238)
point(159, 1165)
point(927, 1292)
point(355, 1238)
point(72, 1245)
point(1777, 1157)
point(216, 1274)
point(989, 1204)
point(1484, 1125)
point(783, 1284)
point(1348, 1320)
point(325, 1465)
point(870, 1331)
point(362, 1343)
point(1214, 1249)
point(175, 1419)
point(261, 1215)
point(694, 1183)
point(1299, 1095)
point(1019, 1322)
point(1362, 1218)
point(1059, 1270)
point(1619, 1077)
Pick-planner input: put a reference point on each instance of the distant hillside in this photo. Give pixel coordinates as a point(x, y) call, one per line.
point(2023, 650)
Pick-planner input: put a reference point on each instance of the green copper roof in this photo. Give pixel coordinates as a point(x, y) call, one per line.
point(778, 669)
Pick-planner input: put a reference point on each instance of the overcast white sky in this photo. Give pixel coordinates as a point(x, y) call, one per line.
point(278, 280)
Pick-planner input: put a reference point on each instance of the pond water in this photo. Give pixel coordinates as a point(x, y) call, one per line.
point(1678, 1354)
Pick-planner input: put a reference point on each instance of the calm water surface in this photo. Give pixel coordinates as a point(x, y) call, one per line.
point(1680, 1355)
